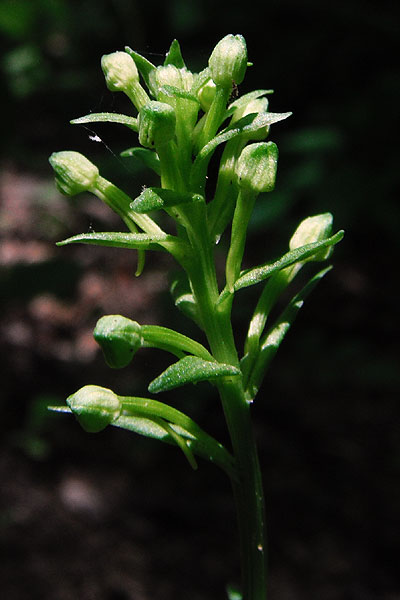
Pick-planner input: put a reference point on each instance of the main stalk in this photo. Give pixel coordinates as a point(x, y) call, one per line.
point(248, 489)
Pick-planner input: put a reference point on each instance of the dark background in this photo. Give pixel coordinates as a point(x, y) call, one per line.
point(112, 516)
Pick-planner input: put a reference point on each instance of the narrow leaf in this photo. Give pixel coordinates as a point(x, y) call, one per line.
point(253, 276)
point(131, 122)
point(119, 240)
point(174, 56)
point(180, 442)
point(156, 198)
point(245, 125)
point(148, 157)
point(243, 100)
point(190, 369)
point(145, 67)
point(272, 340)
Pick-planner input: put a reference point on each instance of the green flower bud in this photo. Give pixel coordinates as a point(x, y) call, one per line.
point(119, 339)
point(74, 172)
point(256, 167)
point(171, 75)
point(228, 60)
point(156, 124)
point(95, 407)
point(255, 106)
point(313, 229)
point(119, 71)
point(206, 94)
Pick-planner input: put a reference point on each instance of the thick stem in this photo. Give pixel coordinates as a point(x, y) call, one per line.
point(248, 491)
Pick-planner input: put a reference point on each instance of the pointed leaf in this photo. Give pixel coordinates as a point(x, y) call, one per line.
point(144, 66)
point(156, 198)
point(131, 122)
point(119, 240)
point(174, 56)
point(190, 369)
point(243, 100)
point(148, 157)
point(245, 125)
point(253, 276)
point(274, 337)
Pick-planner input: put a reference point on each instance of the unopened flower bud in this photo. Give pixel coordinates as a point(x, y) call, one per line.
point(255, 106)
point(228, 60)
point(171, 75)
point(156, 124)
point(313, 229)
point(119, 71)
point(74, 172)
point(206, 94)
point(256, 167)
point(119, 339)
point(95, 407)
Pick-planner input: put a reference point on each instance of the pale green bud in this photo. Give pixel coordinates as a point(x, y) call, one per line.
point(255, 106)
point(119, 338)
point(119, 71)
point(171, 75)
point(95, 407)
point(74, 172)
point(313, 229)
point(206, 94)
point(256, 167)
point(156, 124)
point(228, 60)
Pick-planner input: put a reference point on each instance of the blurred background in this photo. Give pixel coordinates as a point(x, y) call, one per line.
point(115, 517)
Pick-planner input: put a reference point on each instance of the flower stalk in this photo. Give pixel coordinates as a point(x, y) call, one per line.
point(180, 122)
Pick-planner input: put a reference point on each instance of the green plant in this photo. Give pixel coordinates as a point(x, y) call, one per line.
point(181, 121)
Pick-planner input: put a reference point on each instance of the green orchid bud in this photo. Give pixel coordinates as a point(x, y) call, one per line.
point(74, 172)
point(119, 71)
point(228, 61)
point(121, 75)
point(95, 407)
point(313, 229)
point(206, 94)
point(255, 106)
point(171, 75)
point(156, 124)
point(119, 339)
point(256, 167)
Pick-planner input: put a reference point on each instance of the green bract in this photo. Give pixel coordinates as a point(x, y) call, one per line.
point(181, 125)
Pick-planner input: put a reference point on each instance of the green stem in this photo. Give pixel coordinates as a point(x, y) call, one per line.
point(223, 204)
point(241, 218)
point(248, 491)
point(214, 116)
